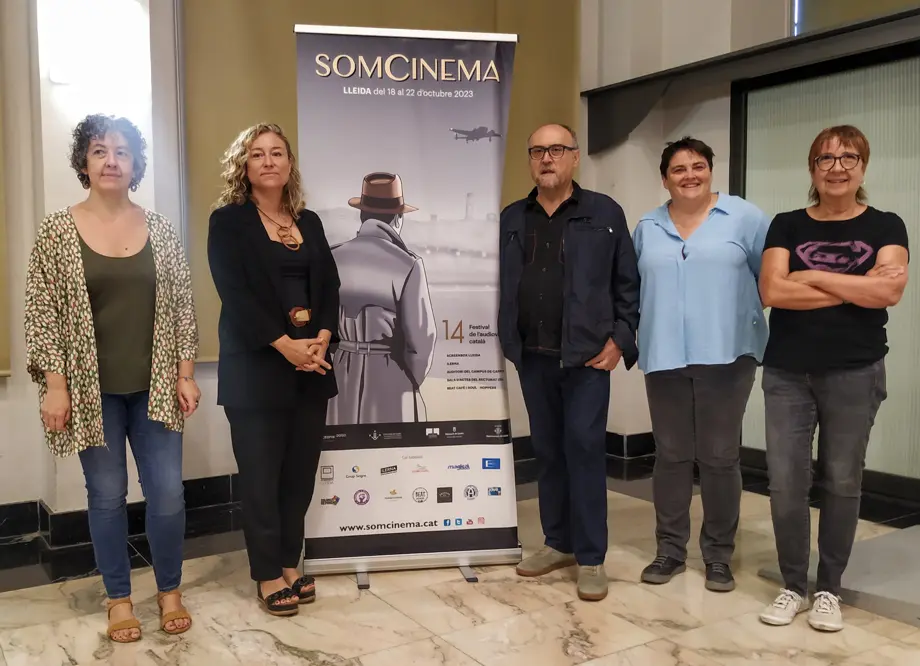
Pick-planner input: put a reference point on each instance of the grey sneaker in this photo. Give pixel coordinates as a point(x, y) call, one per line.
point(592, 583)
point(544, 561)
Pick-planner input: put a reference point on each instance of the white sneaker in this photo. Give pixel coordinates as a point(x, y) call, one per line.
point(826, 615)
point(784, 609)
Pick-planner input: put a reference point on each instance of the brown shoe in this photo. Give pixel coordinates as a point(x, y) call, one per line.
point(123, 626)
point(592, 583)
point(174, 616)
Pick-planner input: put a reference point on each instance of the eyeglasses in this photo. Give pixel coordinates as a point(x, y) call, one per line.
point(847, 161)
point(555, 151)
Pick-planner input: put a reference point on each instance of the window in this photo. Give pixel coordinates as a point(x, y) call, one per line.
point(883, 100)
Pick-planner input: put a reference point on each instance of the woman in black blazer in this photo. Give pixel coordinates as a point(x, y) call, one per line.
point(279, 291)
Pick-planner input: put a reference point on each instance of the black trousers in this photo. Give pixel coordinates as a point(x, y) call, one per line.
point(277, 453)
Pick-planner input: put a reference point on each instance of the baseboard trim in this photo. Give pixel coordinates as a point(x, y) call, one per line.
point(621, 447)
point(18, 519)
point(901, 489)
point(630, 447)
point(210, 508)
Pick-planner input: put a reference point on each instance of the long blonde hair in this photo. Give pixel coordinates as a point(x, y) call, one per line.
point(238, 189)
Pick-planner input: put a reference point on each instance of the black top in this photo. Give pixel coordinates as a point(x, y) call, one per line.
point(122, 295)
point(845, 336)
point(257, 281)
point(295, 282)
point(540, 316)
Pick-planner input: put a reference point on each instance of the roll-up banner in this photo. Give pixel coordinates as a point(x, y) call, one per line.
point(401, 147)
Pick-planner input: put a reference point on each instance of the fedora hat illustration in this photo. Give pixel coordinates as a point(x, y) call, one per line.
point(381, 192)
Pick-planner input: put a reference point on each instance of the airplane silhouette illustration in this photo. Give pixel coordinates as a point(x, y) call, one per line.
point(474, 134)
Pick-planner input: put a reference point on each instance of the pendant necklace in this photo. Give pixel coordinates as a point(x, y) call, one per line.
point(285, 235)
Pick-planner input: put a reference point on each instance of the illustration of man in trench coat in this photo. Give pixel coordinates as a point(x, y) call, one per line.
point(386, 324)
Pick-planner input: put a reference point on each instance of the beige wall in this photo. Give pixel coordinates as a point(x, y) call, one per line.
point(623, 39)
point(821, 14)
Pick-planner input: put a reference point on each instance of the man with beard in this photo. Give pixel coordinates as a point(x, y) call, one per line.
point(568, 312)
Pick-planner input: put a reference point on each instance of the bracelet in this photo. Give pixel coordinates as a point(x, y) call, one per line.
point(188, 379)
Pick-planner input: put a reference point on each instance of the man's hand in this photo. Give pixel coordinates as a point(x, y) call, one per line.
point(608, 359)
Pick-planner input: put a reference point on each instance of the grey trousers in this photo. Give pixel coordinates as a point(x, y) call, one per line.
point(842, 405)
point(697, 414)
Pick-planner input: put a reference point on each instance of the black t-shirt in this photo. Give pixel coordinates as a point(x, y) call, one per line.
point(845, 336)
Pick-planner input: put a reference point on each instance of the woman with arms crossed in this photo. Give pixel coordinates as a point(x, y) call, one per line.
point(111, 340)
point(279, 292)
point(829, 273)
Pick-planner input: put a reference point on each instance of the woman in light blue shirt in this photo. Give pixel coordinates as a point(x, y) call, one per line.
point(702, 333)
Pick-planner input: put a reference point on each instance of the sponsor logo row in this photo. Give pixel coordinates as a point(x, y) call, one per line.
point(327, 472)
point(444, 495)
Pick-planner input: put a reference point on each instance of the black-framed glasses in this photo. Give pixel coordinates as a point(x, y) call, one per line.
point(847, 161)
point(555, 151)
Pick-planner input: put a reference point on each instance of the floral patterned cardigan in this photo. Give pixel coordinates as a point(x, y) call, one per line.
point(60, 336)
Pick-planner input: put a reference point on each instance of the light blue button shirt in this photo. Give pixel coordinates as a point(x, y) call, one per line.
point(698, 301)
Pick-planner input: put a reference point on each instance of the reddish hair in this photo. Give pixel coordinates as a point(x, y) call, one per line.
point(848, 136)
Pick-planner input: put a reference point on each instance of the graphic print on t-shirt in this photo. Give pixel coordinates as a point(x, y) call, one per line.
point(841, 257)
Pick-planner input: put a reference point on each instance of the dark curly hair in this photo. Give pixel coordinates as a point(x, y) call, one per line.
point(96, 126)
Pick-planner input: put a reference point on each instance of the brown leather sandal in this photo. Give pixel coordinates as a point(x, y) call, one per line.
point(173, 616)
point(122, 625)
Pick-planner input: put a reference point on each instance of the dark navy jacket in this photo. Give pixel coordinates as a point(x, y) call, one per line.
point(601, 285)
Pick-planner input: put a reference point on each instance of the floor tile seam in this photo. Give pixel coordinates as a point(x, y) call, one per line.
point(433, 635)
point(451, 639)
point(306, 611)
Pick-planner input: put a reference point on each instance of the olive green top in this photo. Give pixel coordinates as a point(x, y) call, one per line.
point(122, 295)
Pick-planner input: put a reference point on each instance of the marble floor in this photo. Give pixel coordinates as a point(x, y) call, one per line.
point(436, 617)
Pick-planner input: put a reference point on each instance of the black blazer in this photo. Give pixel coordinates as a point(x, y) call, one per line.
point(252, 373)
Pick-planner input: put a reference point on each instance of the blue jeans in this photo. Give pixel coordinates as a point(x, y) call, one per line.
point(158, 454)
point(567, 408)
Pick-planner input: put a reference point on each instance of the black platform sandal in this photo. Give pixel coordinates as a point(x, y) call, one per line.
point(305, 589)
point(272, 603)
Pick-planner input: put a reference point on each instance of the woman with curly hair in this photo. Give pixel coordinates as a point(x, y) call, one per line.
point(111, 339)
point(279, 291)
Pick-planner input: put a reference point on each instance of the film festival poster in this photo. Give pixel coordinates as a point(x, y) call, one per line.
point(401, 148)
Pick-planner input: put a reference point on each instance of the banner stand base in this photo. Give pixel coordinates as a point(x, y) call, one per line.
point(469, 575)
point(361, 567)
